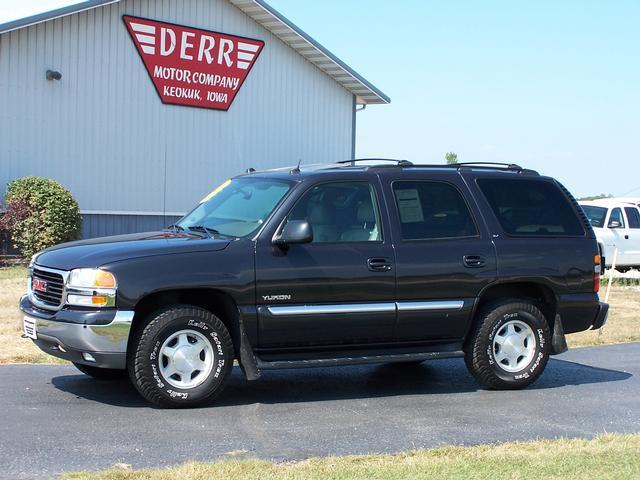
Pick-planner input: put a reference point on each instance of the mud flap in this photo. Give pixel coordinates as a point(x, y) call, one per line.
point(247, 360)
point(558, 340)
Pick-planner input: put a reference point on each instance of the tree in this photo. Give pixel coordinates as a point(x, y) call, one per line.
point(39, 213)
point(597, 197)
point(451, 158)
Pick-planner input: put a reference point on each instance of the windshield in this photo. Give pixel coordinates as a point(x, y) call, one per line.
point(596, 215)
point(236, 208)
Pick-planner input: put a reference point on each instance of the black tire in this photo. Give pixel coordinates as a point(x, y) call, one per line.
point(100, 373)
point(481, 358)
point(144, 360)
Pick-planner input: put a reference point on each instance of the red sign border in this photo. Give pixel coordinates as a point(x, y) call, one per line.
point(126, 26)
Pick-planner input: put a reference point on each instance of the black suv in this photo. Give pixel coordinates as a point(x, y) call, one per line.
point(353, 262)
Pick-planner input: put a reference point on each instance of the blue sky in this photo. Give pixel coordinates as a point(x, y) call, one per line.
point(554, 86)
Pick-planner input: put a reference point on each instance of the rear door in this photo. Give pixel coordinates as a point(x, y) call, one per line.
point(632, 235)
point(444, 255)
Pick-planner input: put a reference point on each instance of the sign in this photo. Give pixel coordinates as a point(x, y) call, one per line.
point(193, 67)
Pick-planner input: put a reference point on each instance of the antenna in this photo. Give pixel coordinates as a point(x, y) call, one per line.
point(297, 169)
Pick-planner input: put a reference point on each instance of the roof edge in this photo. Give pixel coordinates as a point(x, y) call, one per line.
point(385, 98)
point(53, 14)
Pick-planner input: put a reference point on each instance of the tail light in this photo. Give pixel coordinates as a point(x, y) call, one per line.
point(596, 273)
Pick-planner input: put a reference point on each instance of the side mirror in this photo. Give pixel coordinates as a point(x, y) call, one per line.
point(615, 224)
point(294, 231)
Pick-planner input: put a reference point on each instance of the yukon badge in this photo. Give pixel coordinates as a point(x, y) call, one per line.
point(276, 297)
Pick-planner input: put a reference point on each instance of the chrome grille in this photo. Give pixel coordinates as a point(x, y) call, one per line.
point(52, 296)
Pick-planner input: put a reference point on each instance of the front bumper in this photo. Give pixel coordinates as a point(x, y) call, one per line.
point(69, 334)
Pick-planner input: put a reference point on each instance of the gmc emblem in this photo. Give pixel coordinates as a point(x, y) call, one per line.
point(38, 285)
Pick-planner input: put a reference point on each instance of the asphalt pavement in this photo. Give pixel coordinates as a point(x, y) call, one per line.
point(54, 419)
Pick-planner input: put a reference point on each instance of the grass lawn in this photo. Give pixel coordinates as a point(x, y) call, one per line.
point(13, 283)
point(623, 324)
point(605, 457)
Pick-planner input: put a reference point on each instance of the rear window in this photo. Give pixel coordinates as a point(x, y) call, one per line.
point(531, 207)
point(596, 215)
point(430, 210)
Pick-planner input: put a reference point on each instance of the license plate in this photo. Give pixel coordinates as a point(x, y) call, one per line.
point(29, 325)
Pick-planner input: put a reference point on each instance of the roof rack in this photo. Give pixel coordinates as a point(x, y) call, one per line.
point(510, 166)
point(401, 163)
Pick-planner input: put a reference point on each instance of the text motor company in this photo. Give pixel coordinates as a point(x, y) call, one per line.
point(193, 67)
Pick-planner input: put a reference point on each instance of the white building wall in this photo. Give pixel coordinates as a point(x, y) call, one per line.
point(103, 132)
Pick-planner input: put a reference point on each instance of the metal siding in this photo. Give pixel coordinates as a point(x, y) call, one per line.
point(102, 131)
point(103, 225)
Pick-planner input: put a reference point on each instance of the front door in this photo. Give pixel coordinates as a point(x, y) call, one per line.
point(338, 289)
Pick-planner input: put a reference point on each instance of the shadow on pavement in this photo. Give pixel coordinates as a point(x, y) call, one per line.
point(319, 384)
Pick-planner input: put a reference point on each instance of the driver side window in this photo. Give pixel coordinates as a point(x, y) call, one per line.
point(340, 212)
point(616, 216)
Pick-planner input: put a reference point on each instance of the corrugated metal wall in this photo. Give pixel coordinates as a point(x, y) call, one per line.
point(101, 225)
point(103, 132)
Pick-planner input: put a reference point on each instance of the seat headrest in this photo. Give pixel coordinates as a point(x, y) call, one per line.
point(366, 213)
point(321, 214)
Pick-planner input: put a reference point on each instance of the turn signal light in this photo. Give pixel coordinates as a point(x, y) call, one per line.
point(596, 273)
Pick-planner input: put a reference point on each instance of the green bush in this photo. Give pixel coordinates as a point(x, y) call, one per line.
point(40, 213)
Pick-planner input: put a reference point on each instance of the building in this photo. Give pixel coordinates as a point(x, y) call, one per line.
point(140, 107)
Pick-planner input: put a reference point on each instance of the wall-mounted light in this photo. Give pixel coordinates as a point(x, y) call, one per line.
point(53, 75)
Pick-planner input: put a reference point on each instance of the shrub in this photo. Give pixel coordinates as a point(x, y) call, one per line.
point(39, 213)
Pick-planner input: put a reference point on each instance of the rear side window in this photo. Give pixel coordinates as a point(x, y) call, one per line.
point(429, 210)
point(633, 216)
point(596, 215)
point(531, 207)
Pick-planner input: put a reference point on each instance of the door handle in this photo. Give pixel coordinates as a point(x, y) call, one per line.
point(626, 237)
point(379, 264)
point(473, 261)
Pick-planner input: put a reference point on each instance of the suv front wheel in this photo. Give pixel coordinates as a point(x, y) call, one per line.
point(182, 358)
point(509, 346)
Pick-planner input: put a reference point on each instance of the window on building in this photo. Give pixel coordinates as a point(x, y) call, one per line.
point(340, 212)
point(429, 210)
point(531, 207)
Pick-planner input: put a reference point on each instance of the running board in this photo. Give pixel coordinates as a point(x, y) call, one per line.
point(339, 359)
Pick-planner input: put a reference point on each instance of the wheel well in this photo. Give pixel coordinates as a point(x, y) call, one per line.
point(215, 301)
point(541, 295)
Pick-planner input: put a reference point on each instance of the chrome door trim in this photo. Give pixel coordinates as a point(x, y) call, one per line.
point(404, 306)
point(412, 306)
point(331, 309)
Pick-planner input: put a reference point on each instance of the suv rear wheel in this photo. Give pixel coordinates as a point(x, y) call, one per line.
point(509, 346)
point(182, 358)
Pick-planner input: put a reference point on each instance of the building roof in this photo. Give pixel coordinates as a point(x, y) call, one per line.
point(269, 18)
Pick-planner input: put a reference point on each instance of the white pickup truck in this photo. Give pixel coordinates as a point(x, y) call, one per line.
point(616, 223)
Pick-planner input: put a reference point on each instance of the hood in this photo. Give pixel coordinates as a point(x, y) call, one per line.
point(99, 251)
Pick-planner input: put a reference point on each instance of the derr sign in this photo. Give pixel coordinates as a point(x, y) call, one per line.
point(190, 66)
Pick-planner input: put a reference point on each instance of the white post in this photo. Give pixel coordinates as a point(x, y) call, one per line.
point(613, 269)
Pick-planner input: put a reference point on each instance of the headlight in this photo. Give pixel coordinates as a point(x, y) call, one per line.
point(89, 287)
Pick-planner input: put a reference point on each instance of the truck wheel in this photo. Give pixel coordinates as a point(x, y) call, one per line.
point(100, 373)
point(509, 346)
point(182, 357)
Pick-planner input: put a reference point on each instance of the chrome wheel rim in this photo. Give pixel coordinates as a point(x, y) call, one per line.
point(186, 359)
point(514, 346)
